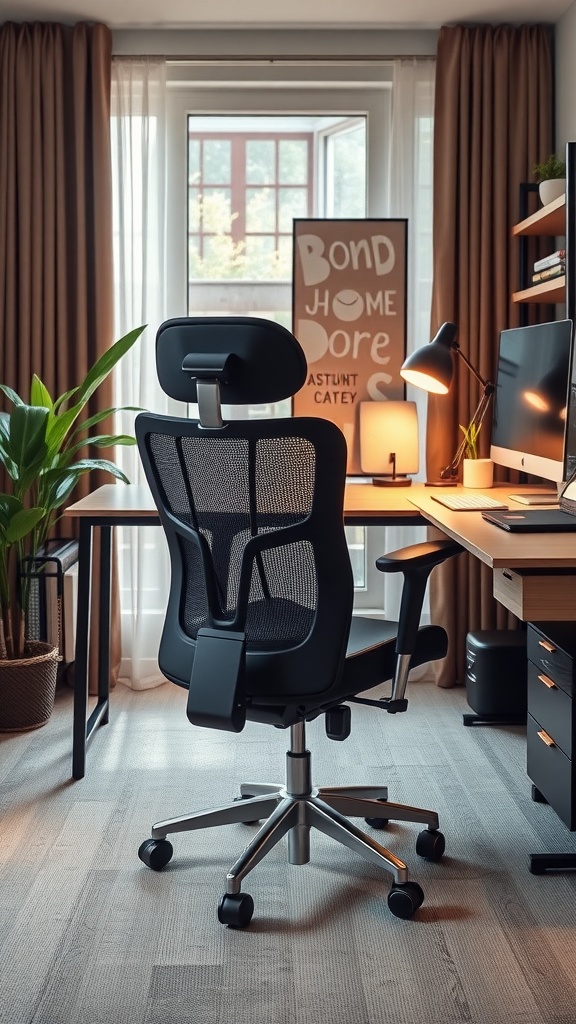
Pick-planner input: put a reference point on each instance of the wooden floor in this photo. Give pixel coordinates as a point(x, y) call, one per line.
point(88, 935)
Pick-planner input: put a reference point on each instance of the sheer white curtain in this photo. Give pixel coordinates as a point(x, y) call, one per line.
point(138, 127)
point(410, 195)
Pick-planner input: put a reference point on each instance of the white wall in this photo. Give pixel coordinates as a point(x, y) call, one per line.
point(565, 43)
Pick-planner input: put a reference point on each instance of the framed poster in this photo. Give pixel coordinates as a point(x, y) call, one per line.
point(349, 315)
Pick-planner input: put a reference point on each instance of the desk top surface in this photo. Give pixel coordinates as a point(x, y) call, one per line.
point(364, 502)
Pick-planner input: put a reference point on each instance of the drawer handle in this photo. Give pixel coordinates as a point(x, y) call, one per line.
point(547, 647)
point(548, 682)
point(546, 738)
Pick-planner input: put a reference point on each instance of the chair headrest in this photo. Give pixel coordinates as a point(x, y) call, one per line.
point(254, 360)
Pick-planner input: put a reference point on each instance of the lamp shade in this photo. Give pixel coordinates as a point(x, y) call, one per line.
point(389, 439)
point(432, 367)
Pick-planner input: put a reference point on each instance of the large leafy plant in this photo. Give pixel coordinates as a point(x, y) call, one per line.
point(40, 450)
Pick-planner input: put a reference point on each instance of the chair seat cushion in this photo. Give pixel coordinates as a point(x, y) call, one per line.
point(371, 652)
point(366, 633)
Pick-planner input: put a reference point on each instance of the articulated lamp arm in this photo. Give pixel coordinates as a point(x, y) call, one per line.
point(431, 368)
point(450, 472)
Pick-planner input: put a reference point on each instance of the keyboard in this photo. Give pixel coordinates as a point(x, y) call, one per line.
point(468, 502)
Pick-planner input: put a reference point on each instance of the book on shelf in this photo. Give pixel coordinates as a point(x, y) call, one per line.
point(549, 273)
point(550, 261)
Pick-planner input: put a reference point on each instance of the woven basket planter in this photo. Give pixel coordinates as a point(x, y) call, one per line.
point(27, 688)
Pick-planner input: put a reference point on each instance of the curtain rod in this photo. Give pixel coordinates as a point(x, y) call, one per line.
point(295, 60)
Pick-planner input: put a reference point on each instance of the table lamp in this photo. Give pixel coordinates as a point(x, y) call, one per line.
point(389, 442)
point(432, 368)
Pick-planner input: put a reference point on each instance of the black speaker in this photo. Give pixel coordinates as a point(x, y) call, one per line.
point(496, 676)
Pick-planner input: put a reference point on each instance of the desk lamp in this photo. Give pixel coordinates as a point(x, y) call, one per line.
point(431, 368)
point(389, 442)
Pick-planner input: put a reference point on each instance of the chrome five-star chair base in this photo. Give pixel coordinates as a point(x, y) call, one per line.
point(294, 809)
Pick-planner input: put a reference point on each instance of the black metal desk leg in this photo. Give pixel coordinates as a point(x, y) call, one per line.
point(82, 647)
point(104, 630)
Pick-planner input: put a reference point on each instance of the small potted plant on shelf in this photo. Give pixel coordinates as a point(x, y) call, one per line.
point(551, 176)
point(476, 472)
point(40, 445)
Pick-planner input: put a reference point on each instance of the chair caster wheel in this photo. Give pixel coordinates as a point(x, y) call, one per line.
point(404, 900)
point(377, 822)
point(246, 796)
point(236, 910)
point(430, 844)
point(155, 853)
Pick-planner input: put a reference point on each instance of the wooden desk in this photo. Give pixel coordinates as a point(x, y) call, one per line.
point(534, 573)
point(531, 562)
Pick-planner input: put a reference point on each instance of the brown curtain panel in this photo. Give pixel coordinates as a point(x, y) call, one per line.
point(493, 120)
point(56, 284)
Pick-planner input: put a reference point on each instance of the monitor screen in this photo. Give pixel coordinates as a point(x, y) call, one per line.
point(530, 401)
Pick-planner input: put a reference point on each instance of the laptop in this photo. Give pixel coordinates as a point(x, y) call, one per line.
point(551, 520)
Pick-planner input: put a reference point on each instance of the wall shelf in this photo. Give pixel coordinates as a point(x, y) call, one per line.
point(545, 291)
point(550, 220)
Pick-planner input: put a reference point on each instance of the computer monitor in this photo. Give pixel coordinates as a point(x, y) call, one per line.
point(531, 397)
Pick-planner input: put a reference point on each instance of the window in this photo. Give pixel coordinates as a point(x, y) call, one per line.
point(244, 189)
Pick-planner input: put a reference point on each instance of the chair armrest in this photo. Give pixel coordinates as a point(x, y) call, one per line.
point(418, 556)
point(416, 562)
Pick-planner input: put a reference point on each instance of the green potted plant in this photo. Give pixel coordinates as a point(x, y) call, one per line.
point(40, 451)
point(551, 177)
point(476, 472)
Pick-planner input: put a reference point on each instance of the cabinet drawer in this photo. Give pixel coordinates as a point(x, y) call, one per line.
point(552, 652)
point(551, 772)
point(551, 707)
point(536, 595)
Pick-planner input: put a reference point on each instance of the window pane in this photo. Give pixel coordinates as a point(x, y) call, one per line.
point(284, 256)
point(193, 209)
point(292, 202)
point(217, 161)
point(260, 161)
point(219, 256)
point(293, 162)
point(193, 161)
point(260, 256)
point(216, 210)
point(260, 209)
point(194, 256)
point(349, 173)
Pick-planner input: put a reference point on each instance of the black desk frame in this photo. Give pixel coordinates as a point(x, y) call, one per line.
point(83, 729)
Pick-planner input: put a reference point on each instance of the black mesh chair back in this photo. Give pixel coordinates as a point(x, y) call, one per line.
point(253, 514)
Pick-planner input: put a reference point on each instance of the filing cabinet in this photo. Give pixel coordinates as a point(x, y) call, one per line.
point(551, 747)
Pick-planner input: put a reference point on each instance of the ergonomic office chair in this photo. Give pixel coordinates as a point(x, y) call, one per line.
point(259, 622)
